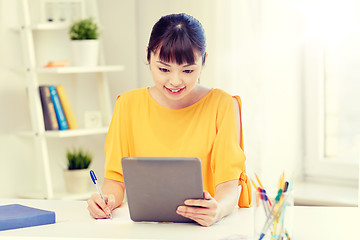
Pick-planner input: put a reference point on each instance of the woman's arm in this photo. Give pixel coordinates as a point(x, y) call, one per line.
point(209, 210)
point(113, 192)
point(227, 195)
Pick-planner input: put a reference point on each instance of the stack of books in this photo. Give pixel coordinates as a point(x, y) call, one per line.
point(57, 111)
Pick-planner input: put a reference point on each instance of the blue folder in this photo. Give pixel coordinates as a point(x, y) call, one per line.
point(18, 216)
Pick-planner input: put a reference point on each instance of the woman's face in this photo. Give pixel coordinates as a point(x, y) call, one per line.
point(175, 81)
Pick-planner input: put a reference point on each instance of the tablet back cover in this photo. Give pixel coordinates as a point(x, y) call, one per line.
point(155, 187)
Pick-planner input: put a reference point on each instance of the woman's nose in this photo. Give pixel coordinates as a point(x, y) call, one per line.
point(175, 79)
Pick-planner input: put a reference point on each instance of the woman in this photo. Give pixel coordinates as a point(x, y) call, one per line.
point(178, 117)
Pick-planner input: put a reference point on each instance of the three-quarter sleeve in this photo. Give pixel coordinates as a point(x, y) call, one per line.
point(228, 158)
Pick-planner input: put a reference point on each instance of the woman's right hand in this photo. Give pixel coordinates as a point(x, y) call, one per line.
point(100, 209)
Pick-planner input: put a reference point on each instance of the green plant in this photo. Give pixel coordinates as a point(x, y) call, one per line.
point(84, 29)
point(78, 159)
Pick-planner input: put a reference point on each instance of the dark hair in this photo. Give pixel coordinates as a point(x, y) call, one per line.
point(178, 35)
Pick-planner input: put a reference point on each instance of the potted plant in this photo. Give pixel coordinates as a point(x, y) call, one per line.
point(84, 35)
point(77, 173)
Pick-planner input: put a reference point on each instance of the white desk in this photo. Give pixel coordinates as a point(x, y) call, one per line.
point(74, 222)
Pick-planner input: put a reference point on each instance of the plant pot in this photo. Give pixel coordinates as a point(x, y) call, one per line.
point(77, 181)
point(85, 52)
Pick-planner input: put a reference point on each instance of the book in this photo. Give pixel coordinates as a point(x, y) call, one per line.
point(60, 115)
point(69, 114)
point(49, 114)
point(57, 63)
point(19, 216)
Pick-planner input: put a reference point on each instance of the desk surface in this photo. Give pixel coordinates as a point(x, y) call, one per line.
point(74, 222)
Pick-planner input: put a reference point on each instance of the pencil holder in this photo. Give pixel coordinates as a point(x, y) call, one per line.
point(273, 215)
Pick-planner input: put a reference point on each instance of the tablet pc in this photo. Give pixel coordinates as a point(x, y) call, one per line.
point(156, 186)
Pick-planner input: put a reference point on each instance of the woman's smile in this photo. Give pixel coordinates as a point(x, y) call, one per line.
point(174, 91)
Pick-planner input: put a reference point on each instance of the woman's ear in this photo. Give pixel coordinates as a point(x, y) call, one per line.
point(205, 56)
point(148, 57)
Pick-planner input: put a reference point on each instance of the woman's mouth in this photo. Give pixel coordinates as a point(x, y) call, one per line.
point(174, 91)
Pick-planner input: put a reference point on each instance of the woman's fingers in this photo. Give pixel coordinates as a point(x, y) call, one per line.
point(203, 211)
point(98, 208)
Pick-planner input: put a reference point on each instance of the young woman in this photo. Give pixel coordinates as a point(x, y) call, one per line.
point(178, 117)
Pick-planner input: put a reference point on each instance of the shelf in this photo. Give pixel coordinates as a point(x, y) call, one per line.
point(33, 46)
point(107, 68)
point(75, 132)
point(51, 26)
point(43, 26)
point(69, 133)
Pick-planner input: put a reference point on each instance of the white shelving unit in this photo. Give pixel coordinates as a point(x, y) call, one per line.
point(81, 69)
point(32, 70)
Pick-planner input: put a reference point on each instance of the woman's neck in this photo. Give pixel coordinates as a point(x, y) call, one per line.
point(194, 96)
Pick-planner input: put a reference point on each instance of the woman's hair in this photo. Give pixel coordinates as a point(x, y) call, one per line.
point(179, 36)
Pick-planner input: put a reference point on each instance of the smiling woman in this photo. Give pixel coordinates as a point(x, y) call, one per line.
point(179, 117)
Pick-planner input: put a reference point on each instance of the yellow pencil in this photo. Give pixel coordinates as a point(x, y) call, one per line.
point(281, 181)
point(259, 181)
point(256, 188)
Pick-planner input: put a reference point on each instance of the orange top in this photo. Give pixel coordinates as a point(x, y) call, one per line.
point(207, 129)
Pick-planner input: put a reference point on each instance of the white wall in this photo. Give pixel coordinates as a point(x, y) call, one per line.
point(281, 66)
point(120, 43)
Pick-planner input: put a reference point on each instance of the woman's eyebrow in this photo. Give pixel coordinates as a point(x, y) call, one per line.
point(163, 63)
point(187, 65)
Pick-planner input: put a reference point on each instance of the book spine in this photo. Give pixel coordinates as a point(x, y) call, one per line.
point(28, 221)
point(63, 125)
point(69, 114)
point(49, 114)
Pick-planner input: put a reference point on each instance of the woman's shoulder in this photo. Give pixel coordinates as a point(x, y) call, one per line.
point(221, 95)
point(134, 94)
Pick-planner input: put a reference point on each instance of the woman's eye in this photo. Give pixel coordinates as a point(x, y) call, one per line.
point(188, 71)
point(164, 70)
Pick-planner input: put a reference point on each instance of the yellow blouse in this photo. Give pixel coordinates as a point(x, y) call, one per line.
point(207, 129)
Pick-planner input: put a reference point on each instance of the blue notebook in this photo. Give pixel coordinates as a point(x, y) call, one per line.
point(18, 216)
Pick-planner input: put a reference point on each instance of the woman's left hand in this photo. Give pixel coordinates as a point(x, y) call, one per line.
point(203, 211)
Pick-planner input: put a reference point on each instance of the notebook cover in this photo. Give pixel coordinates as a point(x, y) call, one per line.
point(19, 216)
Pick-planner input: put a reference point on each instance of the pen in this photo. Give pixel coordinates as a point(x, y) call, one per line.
point(93, 178)
point(286, 186)
point(262, 187)
point(277, 199)
point(264, 200)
